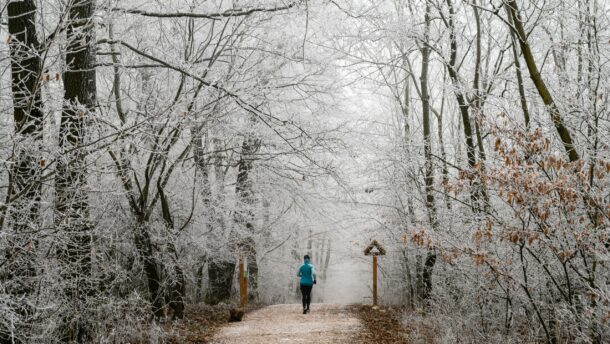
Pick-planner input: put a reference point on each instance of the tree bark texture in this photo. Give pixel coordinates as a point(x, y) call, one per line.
point(220, 275)
point(71, 203)
point(23, 196)
point(177, 285)
point(151, 268)
point(429, 168)
point(244, 213)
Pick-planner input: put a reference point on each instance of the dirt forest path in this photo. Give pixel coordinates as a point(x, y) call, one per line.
point(326, 324)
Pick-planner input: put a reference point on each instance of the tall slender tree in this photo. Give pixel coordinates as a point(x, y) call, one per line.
point(429, 167)
point(541, 87)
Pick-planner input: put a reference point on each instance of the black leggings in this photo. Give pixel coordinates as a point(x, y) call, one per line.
point(306, 292)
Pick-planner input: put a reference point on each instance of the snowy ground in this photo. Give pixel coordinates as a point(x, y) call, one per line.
point(326, 324)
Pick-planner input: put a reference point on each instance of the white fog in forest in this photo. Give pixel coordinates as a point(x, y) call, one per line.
point(149, 147)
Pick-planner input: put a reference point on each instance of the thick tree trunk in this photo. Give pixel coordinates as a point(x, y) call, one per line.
point(24, 189)
point(429, 168)
point(220, 276)
point(221, 267)
point(151, 268)
point(71, 203)
point(244, 213)
point(427, 275)
point(177, 286)
point(250, 253)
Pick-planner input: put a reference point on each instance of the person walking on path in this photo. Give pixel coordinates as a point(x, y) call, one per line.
point(307, 273)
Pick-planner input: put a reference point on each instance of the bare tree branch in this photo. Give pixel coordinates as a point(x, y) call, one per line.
point(234, 12)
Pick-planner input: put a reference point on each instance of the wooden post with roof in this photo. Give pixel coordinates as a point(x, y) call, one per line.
point(374, 249)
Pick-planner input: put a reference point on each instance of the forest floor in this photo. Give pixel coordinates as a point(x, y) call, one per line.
point(199, 326)
point(386, 325)
point(325, 324)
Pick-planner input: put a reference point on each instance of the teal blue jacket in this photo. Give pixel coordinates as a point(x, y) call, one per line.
point(307, 272)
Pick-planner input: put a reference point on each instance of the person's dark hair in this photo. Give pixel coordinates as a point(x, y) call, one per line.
point(306, 256)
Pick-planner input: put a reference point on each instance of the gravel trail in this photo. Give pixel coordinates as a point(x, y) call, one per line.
point(325, 324)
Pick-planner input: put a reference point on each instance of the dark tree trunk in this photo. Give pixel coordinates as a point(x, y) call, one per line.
point(427, 275)
point(244, 213)
point(71, 203)
point(199, 279)
point(178, 288)
point(543, 91)
point(519, 74)
point(429, 168)
point(24, 188)
point(151, 269)
point(177, 293)
point(250, 253)
point(461, 98)
point(220, 275)
point(464, 106)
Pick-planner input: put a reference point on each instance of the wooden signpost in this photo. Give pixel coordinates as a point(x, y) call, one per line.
point(243, 283)
point(374, 249)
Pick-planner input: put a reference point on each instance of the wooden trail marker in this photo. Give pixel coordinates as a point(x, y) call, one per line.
point(243, 283)
point(374, 249)
point(374, 280)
